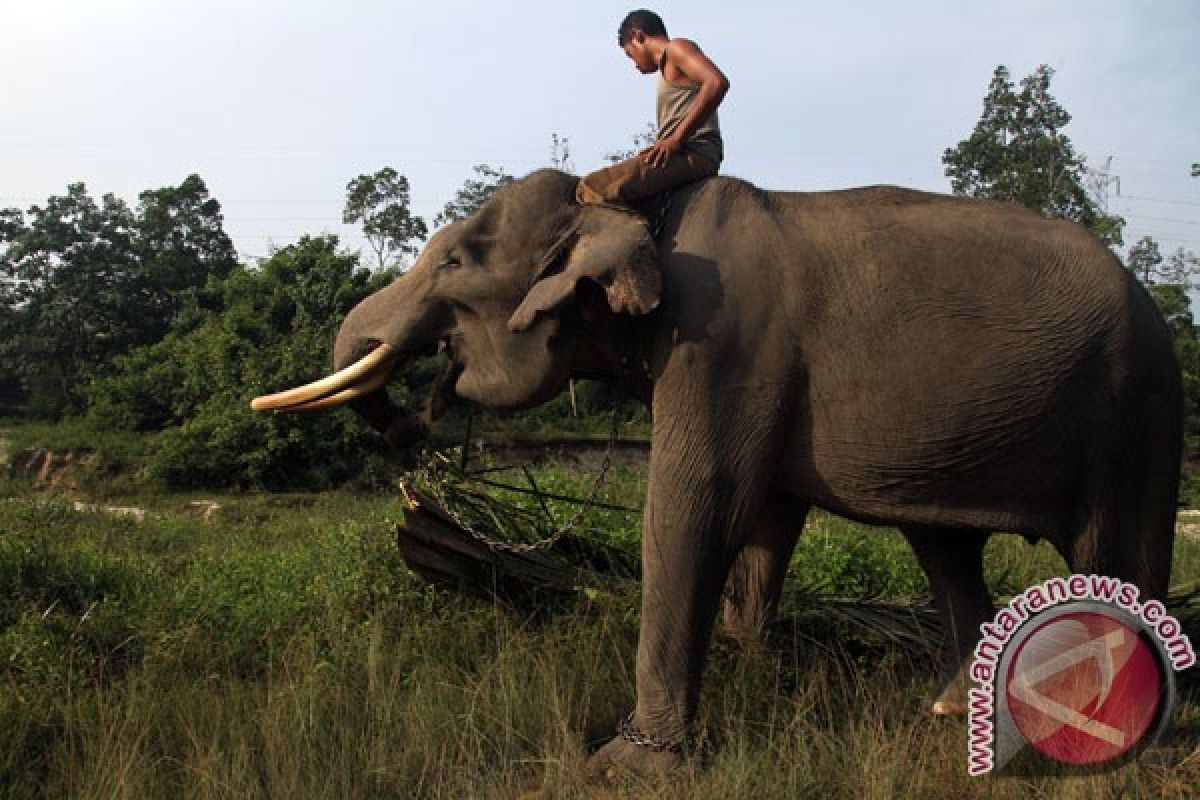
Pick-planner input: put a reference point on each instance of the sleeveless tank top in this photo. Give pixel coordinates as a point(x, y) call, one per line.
point(671, 106)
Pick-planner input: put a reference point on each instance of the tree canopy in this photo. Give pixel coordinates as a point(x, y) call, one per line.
point(1018, 152)
point(380, 201)
point(1146, 261)
point(85, 281)
point(271, 326)
point(473, 193)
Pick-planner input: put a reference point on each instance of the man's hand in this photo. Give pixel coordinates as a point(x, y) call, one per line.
point(658, 155)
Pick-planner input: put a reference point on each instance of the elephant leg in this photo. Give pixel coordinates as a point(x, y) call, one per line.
point(686, 556)
point(953, 562)
point(756, 578)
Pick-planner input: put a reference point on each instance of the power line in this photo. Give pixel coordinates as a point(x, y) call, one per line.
point(1160, 200)
point(1164, 219)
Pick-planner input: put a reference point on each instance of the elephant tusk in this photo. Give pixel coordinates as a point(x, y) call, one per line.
point(344, 396)
point(366, 367)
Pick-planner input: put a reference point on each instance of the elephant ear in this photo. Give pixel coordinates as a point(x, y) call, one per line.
point(612, 248)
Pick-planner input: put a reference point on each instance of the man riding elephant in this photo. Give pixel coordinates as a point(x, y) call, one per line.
point(689, 145)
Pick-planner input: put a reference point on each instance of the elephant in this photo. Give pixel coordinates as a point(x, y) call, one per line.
point(948, 366)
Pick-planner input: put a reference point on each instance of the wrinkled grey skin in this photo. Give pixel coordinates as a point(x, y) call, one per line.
point(947, 366)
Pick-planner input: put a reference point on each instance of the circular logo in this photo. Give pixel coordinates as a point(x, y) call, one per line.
point(1084, 687)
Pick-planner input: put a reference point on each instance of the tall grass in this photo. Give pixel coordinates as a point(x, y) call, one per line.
point(284, 651)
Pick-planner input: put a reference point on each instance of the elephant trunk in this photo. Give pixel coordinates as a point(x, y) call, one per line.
point(401, 429)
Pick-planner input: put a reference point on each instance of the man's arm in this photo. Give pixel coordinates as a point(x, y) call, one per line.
point(688, 60)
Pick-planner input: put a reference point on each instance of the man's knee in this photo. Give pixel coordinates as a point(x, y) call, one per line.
point(590, 191)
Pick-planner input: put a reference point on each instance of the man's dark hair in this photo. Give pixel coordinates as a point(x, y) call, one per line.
point(642, 20)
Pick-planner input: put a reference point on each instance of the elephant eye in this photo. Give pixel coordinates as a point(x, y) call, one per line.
point(449, 262)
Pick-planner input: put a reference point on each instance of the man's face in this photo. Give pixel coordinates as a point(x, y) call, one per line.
point(639, 54)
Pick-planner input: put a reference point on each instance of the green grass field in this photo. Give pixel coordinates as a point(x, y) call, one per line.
point(284, 651)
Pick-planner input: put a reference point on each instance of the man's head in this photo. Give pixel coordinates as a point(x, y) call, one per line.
point(638, 36)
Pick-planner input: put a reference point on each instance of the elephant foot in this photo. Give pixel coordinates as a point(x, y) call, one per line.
point(953, 699)
point(620, 757)
point(633, 752)
point(948, 708)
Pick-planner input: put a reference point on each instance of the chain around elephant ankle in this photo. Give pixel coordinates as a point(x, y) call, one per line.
point(634, 735)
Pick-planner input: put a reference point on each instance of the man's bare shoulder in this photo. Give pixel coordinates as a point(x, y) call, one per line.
point(686, 61)
point(682, 47)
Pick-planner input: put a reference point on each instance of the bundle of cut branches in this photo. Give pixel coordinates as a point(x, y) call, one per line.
point(458, 531)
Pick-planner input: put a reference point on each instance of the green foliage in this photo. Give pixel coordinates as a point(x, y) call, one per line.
point(1182, 268)
point(72, 433)
point(595, 403)
point(116, 455)
point(142, 321)
point(1145, 260)
point(838, 558)
point(381, 203)
point(1175, 305)
point(85, 282)
point(474, 192)
point(66, 598)
point(275, 329)
point(181, 244)
point(1018, 153)
point(283, 650)
point(70, 269)
point(1168, 284)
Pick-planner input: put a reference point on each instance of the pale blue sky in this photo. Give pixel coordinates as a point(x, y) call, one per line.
point(278, 104)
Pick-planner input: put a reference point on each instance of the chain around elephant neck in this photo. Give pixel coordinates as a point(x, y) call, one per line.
point(521, 547)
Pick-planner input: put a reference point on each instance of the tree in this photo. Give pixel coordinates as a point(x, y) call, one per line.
point(83, 282)
point(275, 326)
point(1173, 301)
point(474, 192)
point(11, 223)
point(76, 291)
point(1196, 170)
point(381, 202)
point(180, 240)
point(1147, 263)
point(560, 153)
point(1017, 152)
point(1168, 284)
point(1145, 260)
point(1181, 269)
